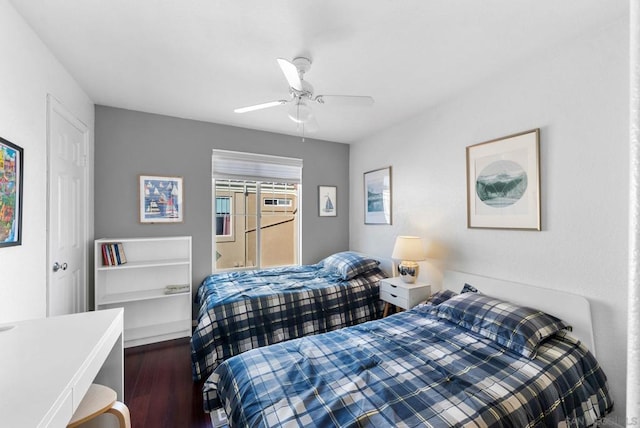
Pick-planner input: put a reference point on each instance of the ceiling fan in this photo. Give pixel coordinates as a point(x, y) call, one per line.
point(301, 95)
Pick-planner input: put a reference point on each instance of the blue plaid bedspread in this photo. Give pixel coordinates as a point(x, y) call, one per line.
point(246, 310)
point(409, 370)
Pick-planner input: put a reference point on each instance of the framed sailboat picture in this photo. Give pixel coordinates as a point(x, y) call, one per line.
point(161, 199)
point(327, 201)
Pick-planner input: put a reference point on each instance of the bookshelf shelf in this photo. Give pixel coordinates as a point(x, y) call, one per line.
point(146, 264)
point(164, 331)
point(139, 285)
point(134, 296)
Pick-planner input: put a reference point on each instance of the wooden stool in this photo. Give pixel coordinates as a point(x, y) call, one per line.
point(100, 399)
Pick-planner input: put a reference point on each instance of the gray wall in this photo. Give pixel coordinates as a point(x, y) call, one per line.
point(128, 143)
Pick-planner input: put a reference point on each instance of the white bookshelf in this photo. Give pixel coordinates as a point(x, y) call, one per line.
point(138, 286)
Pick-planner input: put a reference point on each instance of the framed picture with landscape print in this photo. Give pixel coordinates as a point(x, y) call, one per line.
point(161, 199)
point(503, 183)
point(10, 194)
point(377, 196)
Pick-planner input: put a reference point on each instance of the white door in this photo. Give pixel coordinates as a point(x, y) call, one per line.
point(67, 211)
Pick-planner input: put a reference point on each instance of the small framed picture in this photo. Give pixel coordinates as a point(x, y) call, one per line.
point(377, 196)
point(10, 194)
point(503, 183)
point(327, 201)
point(161, 199)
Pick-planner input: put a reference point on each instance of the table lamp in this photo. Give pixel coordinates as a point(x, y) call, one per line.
point(409, 250)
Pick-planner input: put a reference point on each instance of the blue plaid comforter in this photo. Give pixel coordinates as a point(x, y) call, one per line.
point(409, 370)
point(246, 310)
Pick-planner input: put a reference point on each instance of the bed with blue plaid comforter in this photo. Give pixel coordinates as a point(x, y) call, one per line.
point(410, 370)
point(249, 309)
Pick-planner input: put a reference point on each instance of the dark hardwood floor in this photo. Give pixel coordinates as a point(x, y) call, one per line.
point(158, 387)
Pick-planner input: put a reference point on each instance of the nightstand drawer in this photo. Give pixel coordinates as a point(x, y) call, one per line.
point(404, 295)
point(394, 299)
point(398, 291)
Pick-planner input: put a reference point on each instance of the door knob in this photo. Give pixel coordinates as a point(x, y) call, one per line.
point(57, 266)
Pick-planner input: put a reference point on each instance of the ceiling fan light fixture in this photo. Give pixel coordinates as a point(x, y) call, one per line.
point(300, 112)
point(301, 94)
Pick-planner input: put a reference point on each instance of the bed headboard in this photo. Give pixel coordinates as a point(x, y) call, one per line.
point(571, 308)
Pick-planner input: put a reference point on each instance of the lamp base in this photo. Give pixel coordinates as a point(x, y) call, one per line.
point(408, 271)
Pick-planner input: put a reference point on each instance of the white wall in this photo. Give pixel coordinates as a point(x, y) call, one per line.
point(577, 96)
point(28, 73)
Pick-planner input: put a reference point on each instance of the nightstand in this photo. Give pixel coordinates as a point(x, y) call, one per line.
point(394, 291)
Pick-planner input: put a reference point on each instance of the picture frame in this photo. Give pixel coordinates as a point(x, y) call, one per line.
point(328, 201)
point(161, 199)
point(11, 193)
point(377, 196)
point(503, 183)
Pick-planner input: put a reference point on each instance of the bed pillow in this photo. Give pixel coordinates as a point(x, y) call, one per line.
point(468, 288)
point(440, 296)
point(518, 328)
point(348, 264)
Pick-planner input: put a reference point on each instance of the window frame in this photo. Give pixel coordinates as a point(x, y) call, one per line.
point(237, 166)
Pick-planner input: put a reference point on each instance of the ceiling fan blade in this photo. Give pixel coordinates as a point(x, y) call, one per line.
point(345, 100)
point(260, 106)
point(290, 73)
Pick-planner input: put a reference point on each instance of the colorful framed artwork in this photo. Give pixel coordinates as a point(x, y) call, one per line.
point(161, 199)
point(377, 196)
point(503, 183)
point(327, 201)
point(11, 163)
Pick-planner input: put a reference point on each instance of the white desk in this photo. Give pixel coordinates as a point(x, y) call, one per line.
point(47, 366)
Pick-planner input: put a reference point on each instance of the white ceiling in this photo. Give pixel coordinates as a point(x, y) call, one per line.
point(200, 59)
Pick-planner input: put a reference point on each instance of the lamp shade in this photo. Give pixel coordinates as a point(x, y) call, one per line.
point(408, 248)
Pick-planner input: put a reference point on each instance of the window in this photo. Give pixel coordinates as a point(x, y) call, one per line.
point(277, 202)
point(255, 210)
point(223, 217)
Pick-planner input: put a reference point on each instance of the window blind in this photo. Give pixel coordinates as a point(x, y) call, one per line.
point(230, 165)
